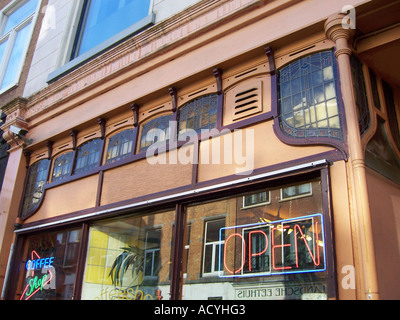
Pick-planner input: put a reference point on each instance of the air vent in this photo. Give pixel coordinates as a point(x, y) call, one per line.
point(245, 99)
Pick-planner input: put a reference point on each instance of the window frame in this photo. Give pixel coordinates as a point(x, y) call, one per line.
point(69, 63)
point(258, 203)
point(285, 59)
point(296, 196)
point(86, 168)
point(216, 245)
point(120, 157)
point(11, 36)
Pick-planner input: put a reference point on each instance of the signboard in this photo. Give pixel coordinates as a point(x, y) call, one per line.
point(40, 275)
point(271, 248)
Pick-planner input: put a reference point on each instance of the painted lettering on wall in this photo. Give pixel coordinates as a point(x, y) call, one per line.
point(278, 247)
point(40, 273)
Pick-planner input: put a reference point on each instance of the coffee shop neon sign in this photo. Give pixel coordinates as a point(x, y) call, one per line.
point(36, 282)
point(294, 245)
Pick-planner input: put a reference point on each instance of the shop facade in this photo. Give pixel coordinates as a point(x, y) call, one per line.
point(166, 168)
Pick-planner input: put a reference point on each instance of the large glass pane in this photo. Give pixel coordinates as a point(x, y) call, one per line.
point(19, 15)
point(49, 266)
point(129, 258)
point(14, 62)
point(106, 18)
point(275, 250)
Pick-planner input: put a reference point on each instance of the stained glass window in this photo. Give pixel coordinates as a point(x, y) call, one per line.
point(88, 155)
point(360, 95)
point(35, 186)
point(154, 131)
point(120, 146)
point(308, 102)
point(199, 113)
point(62, 166)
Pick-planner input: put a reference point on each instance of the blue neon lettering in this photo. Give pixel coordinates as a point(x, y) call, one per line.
point(39, 263)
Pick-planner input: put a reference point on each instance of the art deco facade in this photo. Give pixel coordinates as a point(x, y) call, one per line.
point(234, 149)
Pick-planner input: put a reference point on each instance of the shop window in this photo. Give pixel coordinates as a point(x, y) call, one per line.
point(129, 258)
point(198, 114)
point(256, 199)
point(62, 166)
point(17, 30)
point(264, 252)
point(301, 190)
point(88, 156)
point(35, 186)
point(308, 98)
point(213, 241)
point(105, 19)
point(120, 146)
point(49, 266)
point(360, 94)
point(156, 130)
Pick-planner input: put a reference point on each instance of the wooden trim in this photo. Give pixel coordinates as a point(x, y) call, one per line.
point(147, 202)
point(177, 252)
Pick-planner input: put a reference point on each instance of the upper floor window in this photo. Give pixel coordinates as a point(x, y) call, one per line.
point(308, 102)
point(15, 32)
point(154, 131)
point(120, 146)
point(62, 166)
point(103, 19)
point(35, 186)
point(88, 155)
point(198, 114)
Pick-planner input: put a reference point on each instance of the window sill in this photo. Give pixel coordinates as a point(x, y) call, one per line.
point(101, 48)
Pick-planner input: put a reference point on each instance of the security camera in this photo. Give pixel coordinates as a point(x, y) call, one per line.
point(18, 131)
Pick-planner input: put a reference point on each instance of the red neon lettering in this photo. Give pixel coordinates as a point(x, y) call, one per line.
point(243, 252)
point(258, 253)
point(273, 247)
point(316, 263)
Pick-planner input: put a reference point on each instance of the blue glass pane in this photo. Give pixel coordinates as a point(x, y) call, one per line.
point(106, 18)
point(20, 15)
point(14, 63)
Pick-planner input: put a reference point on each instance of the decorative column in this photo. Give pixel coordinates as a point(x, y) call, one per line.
point(14, 180)
point(363, 244)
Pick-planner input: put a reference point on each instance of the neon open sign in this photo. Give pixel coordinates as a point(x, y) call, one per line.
point(279, 247)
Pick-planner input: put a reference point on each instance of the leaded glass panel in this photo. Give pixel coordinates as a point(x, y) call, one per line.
point(154, 131)
point(62, 166)
point(35, 186)
point(308, 99)
point(120, 146)
point(199, 114)
point(88, 155)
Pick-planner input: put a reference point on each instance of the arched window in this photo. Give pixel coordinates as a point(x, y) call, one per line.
point(62, 166)
point(156, 130)
point(199, 113)
point(34, 188)
point(120, 146)
point(88, 155)
point(308, 102)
